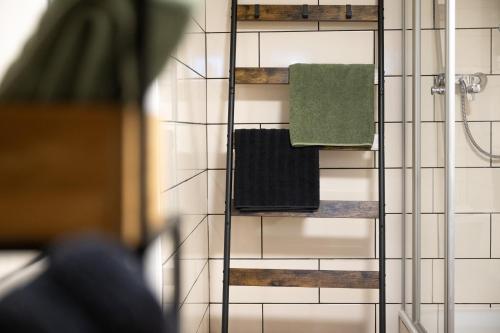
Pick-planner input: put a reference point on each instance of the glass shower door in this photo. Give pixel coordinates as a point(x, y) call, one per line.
point(452, 236)
point(429, 167)
point(476, 188)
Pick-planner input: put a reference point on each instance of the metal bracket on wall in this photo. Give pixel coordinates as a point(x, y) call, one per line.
point(348, 12)
point(305, 11)
point(257, 11)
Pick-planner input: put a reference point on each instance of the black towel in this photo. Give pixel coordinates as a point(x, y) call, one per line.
point(90, 286)
point(271, 175)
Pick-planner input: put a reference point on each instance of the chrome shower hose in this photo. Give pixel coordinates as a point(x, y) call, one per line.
point(463, 97)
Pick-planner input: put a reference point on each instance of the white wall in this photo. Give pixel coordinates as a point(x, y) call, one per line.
point(18, 19)
point(180, 99)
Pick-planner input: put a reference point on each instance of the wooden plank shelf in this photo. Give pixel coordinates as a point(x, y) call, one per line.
point(327, 209)
point(330, 13)
point(304, 278)
point(254, 75)
point(264, 75)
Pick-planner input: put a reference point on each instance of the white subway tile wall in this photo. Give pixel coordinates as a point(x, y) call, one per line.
point(338, 243)
point(180, 100)
point(245, 318)
point(298, 318)
point(318, 238)
point(477, 181)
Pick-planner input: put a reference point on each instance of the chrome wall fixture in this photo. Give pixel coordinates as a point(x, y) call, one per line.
point(475, 83)
point(469, 85)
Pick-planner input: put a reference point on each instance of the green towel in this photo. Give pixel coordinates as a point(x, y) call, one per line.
point(332, 105)
point(85, 50)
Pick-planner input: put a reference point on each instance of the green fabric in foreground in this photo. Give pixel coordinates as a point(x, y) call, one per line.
point(86, 50)
point(332, 105)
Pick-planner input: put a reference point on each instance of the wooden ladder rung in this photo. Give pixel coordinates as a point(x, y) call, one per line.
point(327, 209)
point(265, 75)
point(254, 75)
point(331, 13)
point(304, 278)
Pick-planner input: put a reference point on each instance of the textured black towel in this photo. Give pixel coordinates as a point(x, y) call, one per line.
point(90, 286)
point(271, 175)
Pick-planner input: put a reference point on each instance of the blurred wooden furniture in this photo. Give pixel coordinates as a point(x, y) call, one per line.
point(67, 169)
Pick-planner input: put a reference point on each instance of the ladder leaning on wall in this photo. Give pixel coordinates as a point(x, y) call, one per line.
point(328, 209)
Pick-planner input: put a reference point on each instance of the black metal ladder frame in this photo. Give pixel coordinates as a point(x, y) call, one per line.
point(229, 167)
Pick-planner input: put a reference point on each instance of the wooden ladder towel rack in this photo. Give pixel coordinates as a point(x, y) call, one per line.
point(328, 209)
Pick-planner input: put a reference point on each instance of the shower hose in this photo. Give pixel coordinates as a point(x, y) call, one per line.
point(463, 97)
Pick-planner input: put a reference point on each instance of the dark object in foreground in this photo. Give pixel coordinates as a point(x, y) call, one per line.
point(90, 286)
point(86, 50)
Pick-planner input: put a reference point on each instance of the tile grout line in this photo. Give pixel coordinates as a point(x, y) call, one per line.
point(190, 68)
point(319, 289)
point(339, 30)
point(207, 164)
point(491, 144)
point(432, 277)
point(344, 303)
point(184, 181)
point(192, 286)
point(207, 312)
point(185, 239)
point(491, 51)
point(370, 258)
point(440, 218)
point(262, 237)
point(491, 235)
point(262, 318)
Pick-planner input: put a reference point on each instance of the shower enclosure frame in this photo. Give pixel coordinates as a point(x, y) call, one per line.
point(413, 324)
